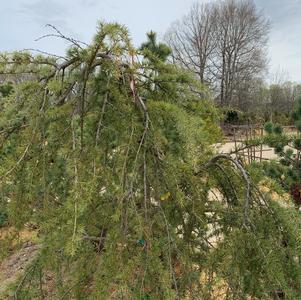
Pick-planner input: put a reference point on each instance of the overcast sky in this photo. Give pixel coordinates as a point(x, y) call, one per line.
point(23, 21)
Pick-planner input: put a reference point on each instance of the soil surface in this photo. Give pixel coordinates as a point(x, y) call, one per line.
point(13, 267)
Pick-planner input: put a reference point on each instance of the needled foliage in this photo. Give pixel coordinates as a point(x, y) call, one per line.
point(6, 89)
point(286, 171)
point(106, 152)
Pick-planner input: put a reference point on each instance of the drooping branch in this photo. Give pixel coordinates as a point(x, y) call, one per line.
point(246, 177)
point(59, 34)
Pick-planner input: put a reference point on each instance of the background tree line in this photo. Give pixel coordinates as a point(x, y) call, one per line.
point(224, 43)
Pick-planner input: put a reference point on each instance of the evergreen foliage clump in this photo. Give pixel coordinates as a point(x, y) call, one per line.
point(108, 152)
point(3, 218)
point(287, 171)
point(6, 89)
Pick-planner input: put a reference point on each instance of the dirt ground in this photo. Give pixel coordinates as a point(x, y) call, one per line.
point(267, 152)
point(228, 147)
point(12, 267)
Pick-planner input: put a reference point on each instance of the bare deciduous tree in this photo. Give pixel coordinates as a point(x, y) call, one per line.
point(224, 44)
point(192, 40)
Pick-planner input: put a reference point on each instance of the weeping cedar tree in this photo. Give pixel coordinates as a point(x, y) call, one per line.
point(108, 152)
